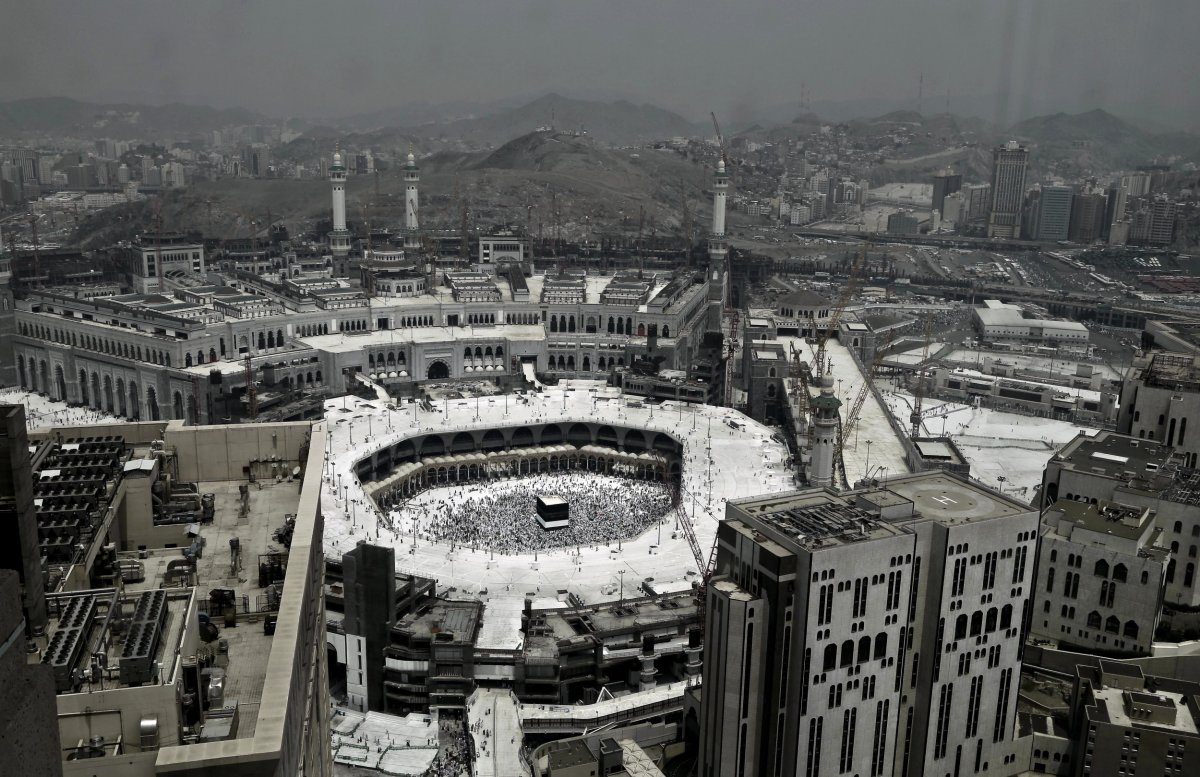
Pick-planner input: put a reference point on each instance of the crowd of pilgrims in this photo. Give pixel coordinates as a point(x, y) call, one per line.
point(502, 516)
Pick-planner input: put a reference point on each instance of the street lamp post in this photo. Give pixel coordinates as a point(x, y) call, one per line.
point(867, 474)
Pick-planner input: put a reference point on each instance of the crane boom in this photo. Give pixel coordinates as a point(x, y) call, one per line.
point(919, 392)
point(720, 138)
point(835, 315)
point(851, 419)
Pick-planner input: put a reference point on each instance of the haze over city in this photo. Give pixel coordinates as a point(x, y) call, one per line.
point(1002, 61)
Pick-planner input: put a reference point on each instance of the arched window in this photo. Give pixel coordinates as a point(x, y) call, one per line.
point(1050, 580)
point(990, 624)
point(976, 623)
point(1178, 527)
point(1131, 630)
point(880, 645)
point(1101, 568)
point(1093, 620)
point(960, 627)
point(864, 649)
point(1119, 573)
point(847, 652)
point(1112, 625)
point(1188, 574)
point(1006, 616)
point(831, 653)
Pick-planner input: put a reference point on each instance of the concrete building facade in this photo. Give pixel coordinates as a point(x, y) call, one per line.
point(873, 632)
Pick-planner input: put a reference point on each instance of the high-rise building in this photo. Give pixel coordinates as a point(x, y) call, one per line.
point(1054, 213)
point(903, 223)
point(1010, 164)
point(369, 580)
point(1136, 184)
point(1162, 221)
point(19, 545)
point(953, 207)
point(945, 182)
point(1087, 218)
point(978, 199)
point(29, 741)
point(873, 632)
point(1114, 208)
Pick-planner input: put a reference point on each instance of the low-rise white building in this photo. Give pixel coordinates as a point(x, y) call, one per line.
point(998, 320)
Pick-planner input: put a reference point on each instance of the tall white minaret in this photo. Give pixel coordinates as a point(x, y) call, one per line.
point(412, 176)
point(339, 238)
point(824, 438)
point(718, 249)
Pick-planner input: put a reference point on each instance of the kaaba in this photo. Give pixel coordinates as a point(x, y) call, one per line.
point(553, 512)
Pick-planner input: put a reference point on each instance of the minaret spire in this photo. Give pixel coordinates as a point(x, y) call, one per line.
point(412, 176)
point(339, 238)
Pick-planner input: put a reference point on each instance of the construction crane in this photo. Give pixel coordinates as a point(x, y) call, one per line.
point(705, 565)
point(919, 391)
point(798, 375)
point(850, 421)
point(848, 289)
point(720, 138)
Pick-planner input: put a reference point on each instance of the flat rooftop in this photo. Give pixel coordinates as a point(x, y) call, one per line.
point(1172, 370)
point(814, 518)
point(457, 620)
point(345, 343)
point(951, 500)
point(1115, 455)
point(1109, 519)
point(245, 661)
point(1117, 702)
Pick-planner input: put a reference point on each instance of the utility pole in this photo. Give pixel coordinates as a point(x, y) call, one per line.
point(251, 394)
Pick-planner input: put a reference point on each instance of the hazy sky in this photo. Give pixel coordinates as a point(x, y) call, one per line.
point(319, 58)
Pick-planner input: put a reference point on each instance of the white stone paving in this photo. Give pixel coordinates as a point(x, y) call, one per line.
point(996, 444)
point(495, 727)
point(885, 450)
point(745, 461)
point(42, 411)
point(392, 744)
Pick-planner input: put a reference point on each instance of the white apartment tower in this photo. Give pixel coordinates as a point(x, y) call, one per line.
point(875, 632)
point(412, 176)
